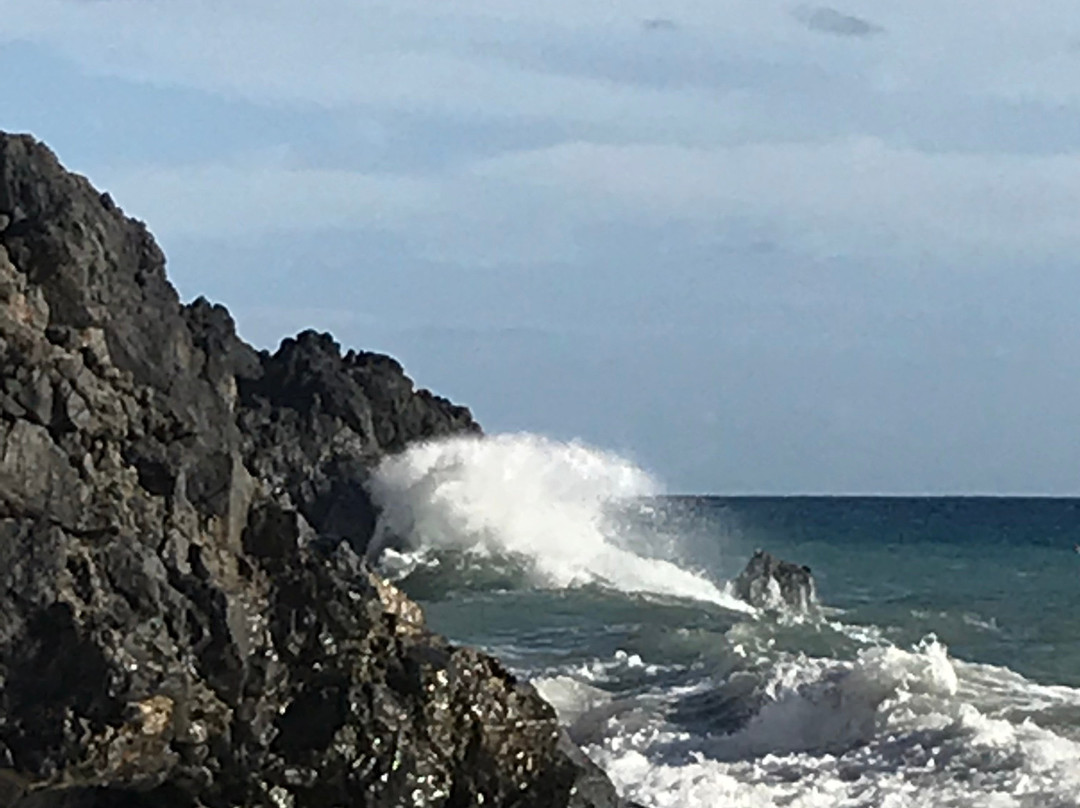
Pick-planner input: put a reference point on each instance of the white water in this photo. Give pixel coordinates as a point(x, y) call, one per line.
point(883, 727)
point(522, 495)
point(892, 729)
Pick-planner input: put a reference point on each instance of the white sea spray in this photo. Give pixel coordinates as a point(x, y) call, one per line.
point(522, 495)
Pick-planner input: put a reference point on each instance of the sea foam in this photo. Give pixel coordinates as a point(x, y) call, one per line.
point(893, 727)
point(544, 501)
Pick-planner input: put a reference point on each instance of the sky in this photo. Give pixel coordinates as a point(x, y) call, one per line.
point(757, 246)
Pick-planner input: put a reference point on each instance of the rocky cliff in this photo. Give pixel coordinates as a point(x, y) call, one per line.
point(185, 617)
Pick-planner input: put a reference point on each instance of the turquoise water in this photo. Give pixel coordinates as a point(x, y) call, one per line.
point(942, 667)
point(997, 579)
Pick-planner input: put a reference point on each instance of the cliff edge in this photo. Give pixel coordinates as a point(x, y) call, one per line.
point(185, 617)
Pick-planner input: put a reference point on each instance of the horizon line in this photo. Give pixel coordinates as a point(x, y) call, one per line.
point(869, 495)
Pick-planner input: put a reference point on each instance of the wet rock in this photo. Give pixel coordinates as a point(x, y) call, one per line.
point(770, 583)
point(186, 619)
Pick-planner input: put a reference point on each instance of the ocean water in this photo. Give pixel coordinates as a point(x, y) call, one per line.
point(941, 666)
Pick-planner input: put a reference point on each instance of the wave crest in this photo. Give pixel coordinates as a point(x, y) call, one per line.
point(527, 497)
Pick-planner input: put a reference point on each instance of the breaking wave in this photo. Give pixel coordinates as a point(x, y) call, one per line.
point(892, 727)
point(686, 697)
point(543, 504)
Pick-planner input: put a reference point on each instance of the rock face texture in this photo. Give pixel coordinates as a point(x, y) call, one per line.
point(185, 618)
point(770, 583)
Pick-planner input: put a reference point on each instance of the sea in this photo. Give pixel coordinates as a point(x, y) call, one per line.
point(939, 667)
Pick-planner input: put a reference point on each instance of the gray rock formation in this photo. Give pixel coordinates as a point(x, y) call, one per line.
point(769, 583)
point(185, 618)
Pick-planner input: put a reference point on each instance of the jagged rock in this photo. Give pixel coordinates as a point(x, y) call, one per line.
point(181, 622)
point(314, 421)
point(769, 583)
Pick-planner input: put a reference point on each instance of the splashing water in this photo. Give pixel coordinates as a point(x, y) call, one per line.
point(862, 706)
point(529, 497)
point(893, 727)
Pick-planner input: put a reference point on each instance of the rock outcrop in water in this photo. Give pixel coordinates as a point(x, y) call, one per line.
point(770, 583)
point(185, 618)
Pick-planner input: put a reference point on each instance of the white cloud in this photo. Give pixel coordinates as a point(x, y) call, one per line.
point(451, 217)
point(854, 196)
point(860, 194)
point(406, 57)
point(626, 158)
point(415, 54)
point(252, 200)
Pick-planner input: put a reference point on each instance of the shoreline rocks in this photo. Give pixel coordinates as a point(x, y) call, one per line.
point(186, 620)
point(768, 582)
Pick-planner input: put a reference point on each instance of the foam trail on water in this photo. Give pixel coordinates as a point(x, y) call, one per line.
point(894, 728)
point(531, 497)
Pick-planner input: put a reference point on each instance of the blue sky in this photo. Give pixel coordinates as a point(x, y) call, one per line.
point(758, 246)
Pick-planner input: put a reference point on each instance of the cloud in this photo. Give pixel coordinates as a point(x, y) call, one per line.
point(456, 216)
point(714, 147)
point(456, 57)
point(408, 57)
point(851, 196)
point(830, 21)
point(250, 200)
point(659, 24)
